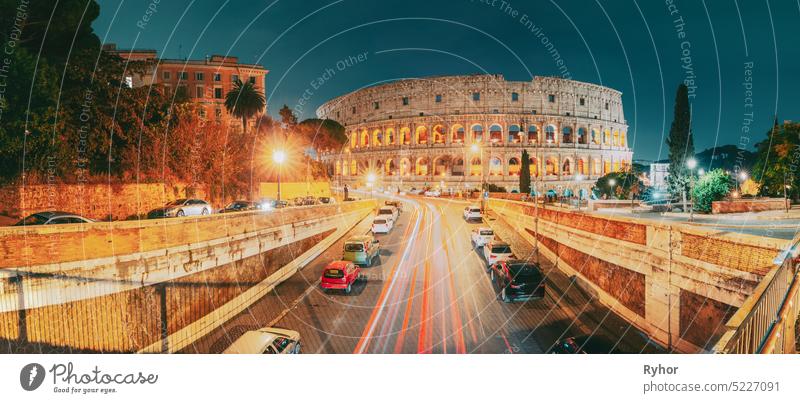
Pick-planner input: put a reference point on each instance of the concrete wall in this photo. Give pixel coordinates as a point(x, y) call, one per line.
point(168, 282)
point(290, 190)
point(747, 205)
point(677, 284)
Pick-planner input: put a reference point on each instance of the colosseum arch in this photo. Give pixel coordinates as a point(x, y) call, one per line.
point(421, 166)
point(533, 134)
point(353, 168)
point(458, 167)
point(438, 134)
point(581, 166)
point(606, 137)
point(595, 136)
point(513, 134)
point(477, 133)
point(623, 139)
point(582, 135)
point(566, 131)
point(550, 134)
point(353, 139)
point(566, 166)
point(389, 167)
point(377, 138)
point(513, 166)
point(405, 136)
point(475, 167)
point(441, 164)
point(364, 138)
point(390, 137)
point(421, 136)
point(616, 138)
point(458, 134)
point(338, 168)
point(495, 166)
point(551, 166)
point(533, 167)
point(495, 133)
point(405, 167)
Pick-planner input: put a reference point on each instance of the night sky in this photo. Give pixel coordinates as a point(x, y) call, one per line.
point(630, 45)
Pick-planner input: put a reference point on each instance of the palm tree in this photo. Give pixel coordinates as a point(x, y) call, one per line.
point(244, 101)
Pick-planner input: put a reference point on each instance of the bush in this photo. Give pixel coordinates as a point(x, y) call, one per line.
point(710, 187)
point(491, 187)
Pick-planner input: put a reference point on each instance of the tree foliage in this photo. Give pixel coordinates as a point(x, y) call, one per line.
point(525, 173)
point(712, 186)
point(625, 183)
point(680, 143)
point(244, 101)
point(777, 159)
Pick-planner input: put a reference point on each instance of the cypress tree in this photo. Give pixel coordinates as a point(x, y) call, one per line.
point(681, 145)
point(525, 173)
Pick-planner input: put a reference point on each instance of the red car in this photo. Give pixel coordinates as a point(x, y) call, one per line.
point(340, 275)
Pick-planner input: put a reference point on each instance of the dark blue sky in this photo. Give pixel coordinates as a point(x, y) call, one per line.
point(631, 45)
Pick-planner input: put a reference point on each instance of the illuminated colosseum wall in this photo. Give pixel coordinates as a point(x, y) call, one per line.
point(459, 131)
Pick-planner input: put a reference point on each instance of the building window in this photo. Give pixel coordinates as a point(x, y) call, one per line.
point(438, 99)
point(202, 112)
point(183, 75)
point(217, 77)
point(354, 110)
point(337, 114)
point(583, 102)
point(218, 113)
point(377, 105)
point(514, 97)
point(551, 98)
point(533, 112)
point(405, 100)
point(234, 78)
point(218, 93)
point(166, 75)
point(129, 81)
point(476, 96)
point(199, 92)
point(199, 76)
point(253, 80)
point(606, 105)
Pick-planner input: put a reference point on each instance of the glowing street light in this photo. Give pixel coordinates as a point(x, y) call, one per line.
point(279, 157)
point(691, 163)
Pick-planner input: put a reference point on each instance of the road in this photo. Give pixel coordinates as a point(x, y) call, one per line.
point(429, 293)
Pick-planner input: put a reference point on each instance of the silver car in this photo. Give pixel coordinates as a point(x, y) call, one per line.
point(52, 217)
point(181, 208)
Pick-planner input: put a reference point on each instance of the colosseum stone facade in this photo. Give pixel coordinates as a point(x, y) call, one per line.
point(457, 132)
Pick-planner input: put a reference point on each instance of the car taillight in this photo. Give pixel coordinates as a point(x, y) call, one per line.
point(492, 256)
point(514, 286)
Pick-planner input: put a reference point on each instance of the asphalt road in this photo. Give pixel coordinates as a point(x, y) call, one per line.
point(429, 293)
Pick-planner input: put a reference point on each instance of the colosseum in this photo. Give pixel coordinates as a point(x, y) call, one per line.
point(460, 132)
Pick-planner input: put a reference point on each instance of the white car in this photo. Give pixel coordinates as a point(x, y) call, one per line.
point(433, 193)
point(268, 340)
point(389, 212)
point(382, 225)
point(496, 251)
point(481, 236)
point(473, 213)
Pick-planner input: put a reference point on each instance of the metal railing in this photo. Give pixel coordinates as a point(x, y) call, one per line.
point(765, 323)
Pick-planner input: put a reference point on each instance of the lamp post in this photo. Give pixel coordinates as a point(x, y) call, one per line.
point(612, 182)
point(279, 157)
point(691, 164)
point(742, 177)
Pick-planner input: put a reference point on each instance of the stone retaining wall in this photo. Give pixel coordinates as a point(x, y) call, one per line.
point(747, 205)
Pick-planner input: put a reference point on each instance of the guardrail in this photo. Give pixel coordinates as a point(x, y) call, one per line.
point(765, 323)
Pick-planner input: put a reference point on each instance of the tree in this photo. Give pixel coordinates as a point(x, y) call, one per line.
point(287, 117)
point(681, 145)
point(321, 134)
point(525, 174)
point(777, 158)
point(712, 186)
point(624, 183)
point(244, 101)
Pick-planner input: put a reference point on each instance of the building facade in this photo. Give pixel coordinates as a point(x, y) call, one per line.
point(658, 175)
point(204, 82)
point(458, 132)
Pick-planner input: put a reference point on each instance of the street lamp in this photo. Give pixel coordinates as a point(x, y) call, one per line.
point(691, 164)
point(612, 182)
point(279, 157)
point(742, 179)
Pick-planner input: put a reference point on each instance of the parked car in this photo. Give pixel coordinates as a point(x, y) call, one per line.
point(584, 345)
point(473, 213)
point(517, 279)
point(396, 204)
point(433, 193)
point(382, 225)
point(239, 205)
point(388, 212)
point(327, 200)
point(52, 217)
point(339, 275)
point(496, 251)
point(268, 340)
point(361, 250)
point(182, 207)
point(309, 201)
point(349, 199)
point(481, 236)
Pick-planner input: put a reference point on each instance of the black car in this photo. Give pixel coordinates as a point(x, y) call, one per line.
point(517, 280)
point(584, 345)
point(239, 205)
